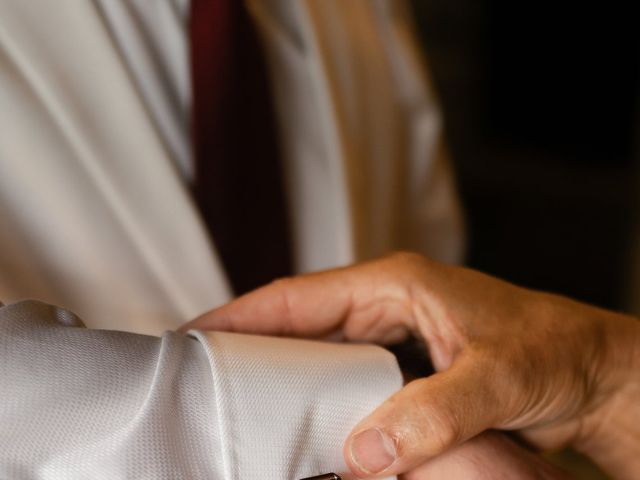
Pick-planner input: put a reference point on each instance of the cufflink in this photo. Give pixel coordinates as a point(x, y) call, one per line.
point(326, 476)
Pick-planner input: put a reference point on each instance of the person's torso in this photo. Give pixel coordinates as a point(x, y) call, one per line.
point(95, 155)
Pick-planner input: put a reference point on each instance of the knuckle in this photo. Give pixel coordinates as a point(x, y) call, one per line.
point(405, 258)
point(281, 283)
point(446, 428)
point(283, 289)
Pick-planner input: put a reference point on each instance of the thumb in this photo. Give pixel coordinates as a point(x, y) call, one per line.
point(424, 419)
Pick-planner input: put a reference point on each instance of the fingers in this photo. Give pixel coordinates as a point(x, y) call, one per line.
point(309, 306)
point(426, 418)
point(366, 302)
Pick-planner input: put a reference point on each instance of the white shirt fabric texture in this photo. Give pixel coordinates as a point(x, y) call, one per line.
point(152, 37)
point(80, 404)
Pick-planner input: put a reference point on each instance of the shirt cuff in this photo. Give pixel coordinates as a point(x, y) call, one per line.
point(285, 407)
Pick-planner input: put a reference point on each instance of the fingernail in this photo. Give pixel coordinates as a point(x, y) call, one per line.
point(372, 451)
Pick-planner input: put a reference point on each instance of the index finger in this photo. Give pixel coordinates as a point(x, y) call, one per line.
point(366, 302)
point(312, 305)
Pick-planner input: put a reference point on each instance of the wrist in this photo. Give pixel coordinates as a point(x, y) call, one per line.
point(610, 434)
point(624, 352)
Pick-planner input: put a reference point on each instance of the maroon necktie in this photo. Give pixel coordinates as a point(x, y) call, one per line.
point(239, 184)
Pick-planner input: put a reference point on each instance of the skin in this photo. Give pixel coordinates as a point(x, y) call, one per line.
point(556, 371)
point(489, 456)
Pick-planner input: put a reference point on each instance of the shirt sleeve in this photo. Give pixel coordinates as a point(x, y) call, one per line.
point(79, 403)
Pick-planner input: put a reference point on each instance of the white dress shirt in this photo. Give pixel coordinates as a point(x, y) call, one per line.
point(80, 404)
point(94, 214)
point(152, 38)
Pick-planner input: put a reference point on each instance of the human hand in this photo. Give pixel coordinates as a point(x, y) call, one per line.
point(507, 358)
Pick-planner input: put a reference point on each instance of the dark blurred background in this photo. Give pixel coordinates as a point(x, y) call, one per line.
point(541, 107)
point(541, 103)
